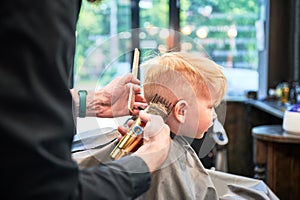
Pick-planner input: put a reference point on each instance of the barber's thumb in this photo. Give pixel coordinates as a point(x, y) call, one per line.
point(154, 124)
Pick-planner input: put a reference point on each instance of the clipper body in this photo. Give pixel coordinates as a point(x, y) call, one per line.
point(134, 136)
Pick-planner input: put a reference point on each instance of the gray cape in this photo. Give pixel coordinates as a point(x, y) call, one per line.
point(182, 176)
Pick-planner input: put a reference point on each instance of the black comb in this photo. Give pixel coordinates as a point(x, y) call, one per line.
point(158, 99)
point(163, 104)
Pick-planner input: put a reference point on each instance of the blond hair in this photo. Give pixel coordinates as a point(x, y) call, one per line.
point(176, 73)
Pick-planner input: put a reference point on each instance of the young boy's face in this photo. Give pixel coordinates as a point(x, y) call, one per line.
point(200, 115)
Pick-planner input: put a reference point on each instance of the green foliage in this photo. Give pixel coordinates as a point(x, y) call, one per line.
point(94, 25)
point(91, 25)
point(218, 16)
point(157, 15)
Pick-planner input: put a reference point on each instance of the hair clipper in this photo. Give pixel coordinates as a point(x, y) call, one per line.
point(134, 136)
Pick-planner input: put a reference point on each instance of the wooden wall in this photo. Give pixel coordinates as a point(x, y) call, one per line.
point(240, 119)
point(284, 37)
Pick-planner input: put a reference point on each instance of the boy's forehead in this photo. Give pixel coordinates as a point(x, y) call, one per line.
point(205, 92)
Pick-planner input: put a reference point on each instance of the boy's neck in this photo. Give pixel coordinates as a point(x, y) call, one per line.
point(195, 143)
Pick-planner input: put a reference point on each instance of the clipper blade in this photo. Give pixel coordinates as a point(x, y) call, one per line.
point(161, 105)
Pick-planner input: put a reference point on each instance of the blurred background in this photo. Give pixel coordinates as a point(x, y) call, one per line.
point(255, 41)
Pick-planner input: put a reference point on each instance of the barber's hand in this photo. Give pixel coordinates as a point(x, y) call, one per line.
point(156, 140)
point(112, 100)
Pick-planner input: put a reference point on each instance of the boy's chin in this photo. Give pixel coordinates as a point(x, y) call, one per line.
point(199, 136)
point(194, 136)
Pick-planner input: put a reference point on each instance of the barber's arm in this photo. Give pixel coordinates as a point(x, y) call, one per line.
point(109, 101)
point(129, 177)
point(126, 178)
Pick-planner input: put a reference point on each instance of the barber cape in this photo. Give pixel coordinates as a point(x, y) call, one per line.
point(182, 176)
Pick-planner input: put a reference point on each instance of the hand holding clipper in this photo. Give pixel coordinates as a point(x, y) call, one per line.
point(133, 138)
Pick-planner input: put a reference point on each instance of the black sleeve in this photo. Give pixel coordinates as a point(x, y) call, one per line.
point(126, 178)
point(36, 125)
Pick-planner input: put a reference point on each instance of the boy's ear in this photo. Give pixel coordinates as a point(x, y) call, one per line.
point(180, 110)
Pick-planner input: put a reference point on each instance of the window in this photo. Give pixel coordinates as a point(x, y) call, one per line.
point(224, 30)
point(102, 51)
point(103, 40)
point(227, 32)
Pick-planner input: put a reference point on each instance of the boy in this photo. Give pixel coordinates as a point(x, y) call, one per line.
point(194, 85)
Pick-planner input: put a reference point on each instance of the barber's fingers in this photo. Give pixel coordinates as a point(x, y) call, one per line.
point(139, 98)
point(137, 107)
point(136, 89)
point(154, 124)
point(128, 78)
point(123, 130)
